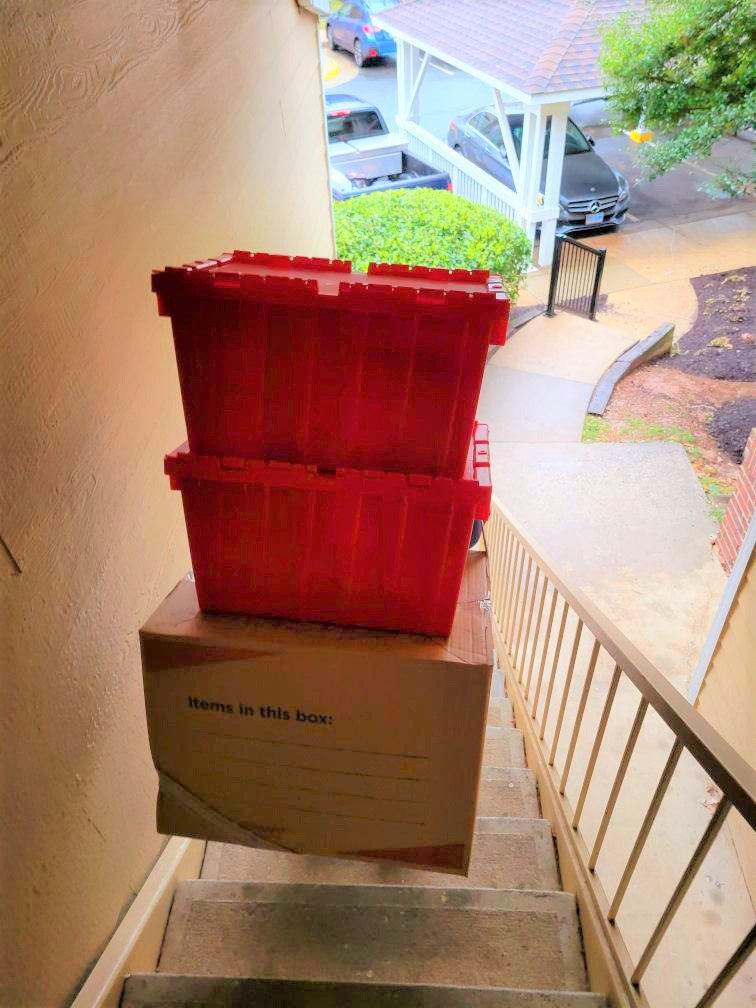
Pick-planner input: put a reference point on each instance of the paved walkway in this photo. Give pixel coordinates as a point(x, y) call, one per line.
point(630, 520)
point(537, 387)
point(642, 502)
point(647, 273)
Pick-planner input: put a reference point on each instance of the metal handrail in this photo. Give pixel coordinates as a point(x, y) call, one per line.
point(520, 571)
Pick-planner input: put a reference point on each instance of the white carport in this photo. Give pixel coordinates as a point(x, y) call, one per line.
point(537, 55)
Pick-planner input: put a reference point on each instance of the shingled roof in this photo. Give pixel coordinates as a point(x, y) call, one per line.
point(533, 46)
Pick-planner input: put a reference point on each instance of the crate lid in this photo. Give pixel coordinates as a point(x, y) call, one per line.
point(183, 465)
point(299, 280)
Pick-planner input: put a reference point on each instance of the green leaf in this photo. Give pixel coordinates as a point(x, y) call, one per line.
point(431, 227)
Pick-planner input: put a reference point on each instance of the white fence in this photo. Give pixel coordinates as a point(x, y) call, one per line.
point(467, 179)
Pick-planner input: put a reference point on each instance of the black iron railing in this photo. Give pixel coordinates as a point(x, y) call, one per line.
point(575, 277)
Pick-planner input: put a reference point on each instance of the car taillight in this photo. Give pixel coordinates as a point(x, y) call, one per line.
point(449, 186)
point(340, 114)
point(370, 29)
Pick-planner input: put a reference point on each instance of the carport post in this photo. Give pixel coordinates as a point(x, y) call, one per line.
point(531, 162)
point(553, 184)
point(410, 69)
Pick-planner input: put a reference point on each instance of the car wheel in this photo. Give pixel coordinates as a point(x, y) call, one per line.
point(359, 59)
point(477, 532)
point(329, 37)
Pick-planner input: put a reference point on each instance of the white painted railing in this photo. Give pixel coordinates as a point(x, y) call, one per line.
point(583, 694)
point(467, 179)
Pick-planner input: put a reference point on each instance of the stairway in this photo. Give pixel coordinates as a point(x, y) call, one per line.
point(266, 930)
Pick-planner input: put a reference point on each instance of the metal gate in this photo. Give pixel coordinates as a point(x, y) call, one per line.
point(575, 277)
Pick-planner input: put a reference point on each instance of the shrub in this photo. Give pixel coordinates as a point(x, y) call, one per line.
point(431, 227)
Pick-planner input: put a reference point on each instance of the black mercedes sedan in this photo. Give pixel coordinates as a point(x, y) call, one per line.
point(592, 195)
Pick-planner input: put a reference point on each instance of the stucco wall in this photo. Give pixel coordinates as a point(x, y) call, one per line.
point(135, 133)
point(728, 700)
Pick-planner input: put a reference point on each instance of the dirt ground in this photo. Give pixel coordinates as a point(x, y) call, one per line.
point(660, 403)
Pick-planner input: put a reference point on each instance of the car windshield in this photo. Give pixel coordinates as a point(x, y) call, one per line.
point(488, 124)
point(374, 6)
point(575, 142)
point(343, 124)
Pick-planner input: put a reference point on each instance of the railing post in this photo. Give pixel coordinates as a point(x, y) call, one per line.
point(597, 282)
point(554, 275)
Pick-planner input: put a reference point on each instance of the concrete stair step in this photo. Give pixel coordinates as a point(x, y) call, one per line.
point(381, 934)
point(504, 747)
point(507, 854)
point(163, 990)
point(500, 713)
point(509, 791)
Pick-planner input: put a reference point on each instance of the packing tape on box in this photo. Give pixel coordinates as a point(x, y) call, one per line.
point(225, 829)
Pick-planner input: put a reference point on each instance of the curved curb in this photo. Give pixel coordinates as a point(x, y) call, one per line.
point(656, 345)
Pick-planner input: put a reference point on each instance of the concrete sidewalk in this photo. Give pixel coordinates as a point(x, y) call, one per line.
point(630, 521)
point(537, 387)
point(647, 272)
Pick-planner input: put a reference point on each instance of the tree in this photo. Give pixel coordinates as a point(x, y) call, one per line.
point(688, 71)
point(431, 227)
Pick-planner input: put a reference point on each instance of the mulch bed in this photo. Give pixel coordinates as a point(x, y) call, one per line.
point(731, 426)
point(722, 342)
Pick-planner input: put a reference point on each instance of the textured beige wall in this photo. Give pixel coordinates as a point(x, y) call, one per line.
point(728, 701)
point(135, 133)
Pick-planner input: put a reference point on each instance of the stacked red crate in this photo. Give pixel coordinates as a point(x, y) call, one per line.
point(331, 411)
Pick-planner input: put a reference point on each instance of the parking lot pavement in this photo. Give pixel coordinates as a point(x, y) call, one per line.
point(674, 198)
point(680, 194)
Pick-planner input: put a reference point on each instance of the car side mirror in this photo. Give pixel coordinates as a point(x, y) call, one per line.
point(591, 141)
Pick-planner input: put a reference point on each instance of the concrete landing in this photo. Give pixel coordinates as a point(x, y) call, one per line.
point(519, 406)
point(565, 346)
point(629, 525)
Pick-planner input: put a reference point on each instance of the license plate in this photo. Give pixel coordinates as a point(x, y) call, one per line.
point(594, 218)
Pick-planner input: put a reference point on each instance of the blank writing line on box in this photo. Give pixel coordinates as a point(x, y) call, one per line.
point(313, 769)
point(216, 797)
point(332, 794)
point(308, 745)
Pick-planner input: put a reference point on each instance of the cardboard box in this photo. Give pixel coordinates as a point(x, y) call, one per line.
point(320, 739)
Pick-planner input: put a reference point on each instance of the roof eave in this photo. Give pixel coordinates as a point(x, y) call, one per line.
point(539, 98)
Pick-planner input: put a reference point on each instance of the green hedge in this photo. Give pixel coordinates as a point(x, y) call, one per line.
point(431, 227)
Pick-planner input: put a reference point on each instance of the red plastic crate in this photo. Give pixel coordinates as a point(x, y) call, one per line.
point(301, 360)
point(351, 547)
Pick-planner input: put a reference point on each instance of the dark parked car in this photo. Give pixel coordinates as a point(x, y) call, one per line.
point(592, 194)
point(349, 27)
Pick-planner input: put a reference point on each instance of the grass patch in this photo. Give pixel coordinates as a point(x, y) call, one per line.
point(596, 429)
point(638, 429)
